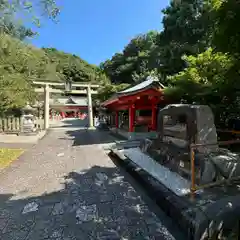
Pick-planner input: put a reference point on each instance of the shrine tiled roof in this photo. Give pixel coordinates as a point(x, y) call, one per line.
point(149, 82)
point(80, 101)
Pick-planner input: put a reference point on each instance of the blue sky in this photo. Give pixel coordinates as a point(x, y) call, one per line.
point(95, 29)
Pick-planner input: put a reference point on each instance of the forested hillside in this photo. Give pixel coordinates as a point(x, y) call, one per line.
point(196, 55)
point(71, 67)
point(20, 64)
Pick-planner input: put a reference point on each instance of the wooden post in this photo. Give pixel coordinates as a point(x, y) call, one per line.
point(131, 118)
point(117, 119)
point(90, 111)
point(46, 107)
point(154, 117)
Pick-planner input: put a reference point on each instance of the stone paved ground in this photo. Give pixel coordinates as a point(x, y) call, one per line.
point(24, 146)
point(12, 139)
point(66, 188)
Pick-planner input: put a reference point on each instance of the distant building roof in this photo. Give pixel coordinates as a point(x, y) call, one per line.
point(78, 101)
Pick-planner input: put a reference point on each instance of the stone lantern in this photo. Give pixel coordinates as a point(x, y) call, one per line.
point(27, 110)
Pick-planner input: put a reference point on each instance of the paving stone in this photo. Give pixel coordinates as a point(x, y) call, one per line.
point(30, 207)
point(86, 213)
point(134, 232)
point(45, 211)
point(46, 229)
point(58, 209)
point(57, 234)
point(15, 235)
point(76, 234)
point(101, 177)
point(3, 223)
point(26, 224)
point(159, 231)
point(106, 197)
point(109, 234)
point(11, 226)
point(4, 213)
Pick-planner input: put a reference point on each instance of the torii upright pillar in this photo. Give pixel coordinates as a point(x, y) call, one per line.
point(46, 107)
point(90, 111)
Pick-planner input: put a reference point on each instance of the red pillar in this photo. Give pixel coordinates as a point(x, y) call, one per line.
point(117, 119)
point(131, 118)
point(154, 117)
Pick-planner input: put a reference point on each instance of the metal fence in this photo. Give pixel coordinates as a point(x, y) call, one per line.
point(194, 186)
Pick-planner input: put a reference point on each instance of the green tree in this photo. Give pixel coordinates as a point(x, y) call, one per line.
point(15, 13)
point(16, 30)
point(185, 32)
point(19, 65)
point(206, 81)
point(32, 9)
point(226, 34)
point(106, 91)
point(135, 60)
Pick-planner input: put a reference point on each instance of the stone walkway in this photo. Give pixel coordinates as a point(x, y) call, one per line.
point(66, 188)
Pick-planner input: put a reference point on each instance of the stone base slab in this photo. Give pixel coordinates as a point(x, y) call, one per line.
point(134, 135)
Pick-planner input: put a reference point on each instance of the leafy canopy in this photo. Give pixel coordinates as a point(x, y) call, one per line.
point(14, 14)
point(206, 74)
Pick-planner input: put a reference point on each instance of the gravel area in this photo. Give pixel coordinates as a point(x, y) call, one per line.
point(66, 188)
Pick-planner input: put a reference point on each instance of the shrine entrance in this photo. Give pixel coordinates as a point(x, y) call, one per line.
point(84, 89)
point(69, 107)
point(70, 114)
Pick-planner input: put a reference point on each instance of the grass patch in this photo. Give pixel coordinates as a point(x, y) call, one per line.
point(8, 155)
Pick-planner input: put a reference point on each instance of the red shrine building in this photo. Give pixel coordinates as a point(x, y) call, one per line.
point(69, 107)
point(135, 109)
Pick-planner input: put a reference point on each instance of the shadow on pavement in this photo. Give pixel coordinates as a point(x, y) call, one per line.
point(97, 203)
point(82, 137)
point(72, 123)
